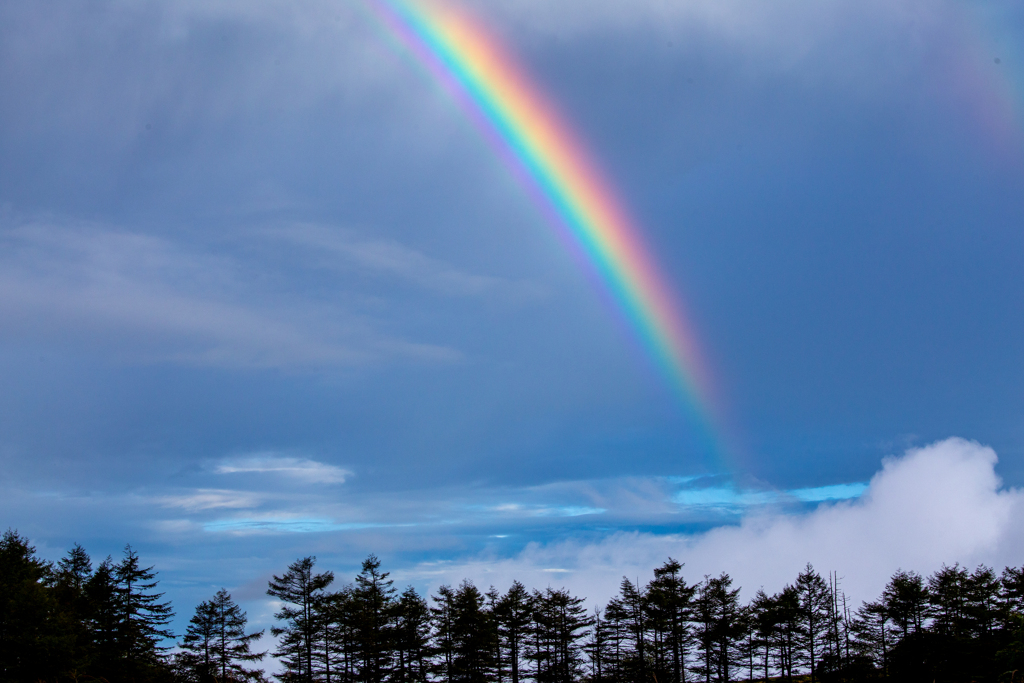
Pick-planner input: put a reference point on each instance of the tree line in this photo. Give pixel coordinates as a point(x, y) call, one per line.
point(71, 621)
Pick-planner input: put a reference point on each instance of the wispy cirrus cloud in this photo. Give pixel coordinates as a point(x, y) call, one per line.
point(282, 524)
point(212, 499)
point(152, 299)
point(611, 503)
point(297, 469)
point(345, 249)
point(729, 497)
point(520, 510)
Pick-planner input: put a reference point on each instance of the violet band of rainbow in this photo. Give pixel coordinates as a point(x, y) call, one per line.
point(520, 122)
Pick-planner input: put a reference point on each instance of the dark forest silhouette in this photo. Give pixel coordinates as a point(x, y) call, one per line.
point(76, 622)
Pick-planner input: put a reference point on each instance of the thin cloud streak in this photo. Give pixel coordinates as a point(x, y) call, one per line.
point(344, 249)
point(300, 469)
point(212, 499)
point(158, 302)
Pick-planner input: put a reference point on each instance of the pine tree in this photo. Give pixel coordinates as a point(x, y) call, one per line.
point(630, 611)
point(491, 599)
point(598, 648)
point(948, 593)
point(815, 616)
point(906, 602)
point(669, 602)
point(334, 652)
point(471, 636)
point(69, 589)
point(619, 656)
point(412, 638)
point(872, 635)
point(983, 603)
point(142, 617)
point(442, 614)
point(373, 609)
point(74, 569)
point(104, 611)
point(217, 644)
point(512, 617)
point(787, 632)
point(564, 623)
point(31, 647)
point(198, 645)
point(764, 621)
point(302, 591)
point(1011, 595)
point(720, 625)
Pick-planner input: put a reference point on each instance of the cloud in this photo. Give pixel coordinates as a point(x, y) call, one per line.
point(278, 525)
point(777, 35)
point(344, 248)
point(943, 503)
point(939, 504)
point(291, 56)
point(212, 499)
point(298, 469)
point(729, 498)
point(492, 512)
point(157, 300)
point(516, 510)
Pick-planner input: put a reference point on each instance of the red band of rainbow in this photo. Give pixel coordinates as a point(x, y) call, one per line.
point(516, 118)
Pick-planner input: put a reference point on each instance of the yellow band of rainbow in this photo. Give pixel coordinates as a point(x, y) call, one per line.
point(515, 116)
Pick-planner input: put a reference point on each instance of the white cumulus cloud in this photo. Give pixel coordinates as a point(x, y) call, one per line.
point(939, 504)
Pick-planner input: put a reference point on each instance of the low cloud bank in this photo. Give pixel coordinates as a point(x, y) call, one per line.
point(943, 503)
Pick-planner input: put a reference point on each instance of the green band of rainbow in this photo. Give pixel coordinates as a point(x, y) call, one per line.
point(495, 92)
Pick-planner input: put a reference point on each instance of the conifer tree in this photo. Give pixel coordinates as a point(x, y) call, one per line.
point(763, 615)
point(216, 642)
point(442, 614)
point(983, 603)
point(412, 638)
point(373, 609)
point(669, 600)
point(103, 606)
point(334, 654)
point(471, 636)
point(69, 588)
point(906, 602)
point(564, 623)
point(28, 638)
point(1011, 595)
point(618, 658)
point(815, 601)
point(720, 625)
point(491, 599)
point(948, 592)
point(302, 591)
point(512, 616)
point(597, 648)
point(75, 569)
point(788, 617)
point(197, 657)
point(630, 611)
point(142, 617)
point(872, 635)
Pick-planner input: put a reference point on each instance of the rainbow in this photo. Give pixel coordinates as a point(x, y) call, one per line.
point(525, 129)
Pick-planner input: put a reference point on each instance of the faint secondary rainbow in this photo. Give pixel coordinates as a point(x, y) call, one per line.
point(525, 129)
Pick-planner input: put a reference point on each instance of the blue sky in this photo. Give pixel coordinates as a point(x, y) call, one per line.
point(265, 291)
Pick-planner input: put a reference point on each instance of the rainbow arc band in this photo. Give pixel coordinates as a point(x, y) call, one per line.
point(543, 152)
